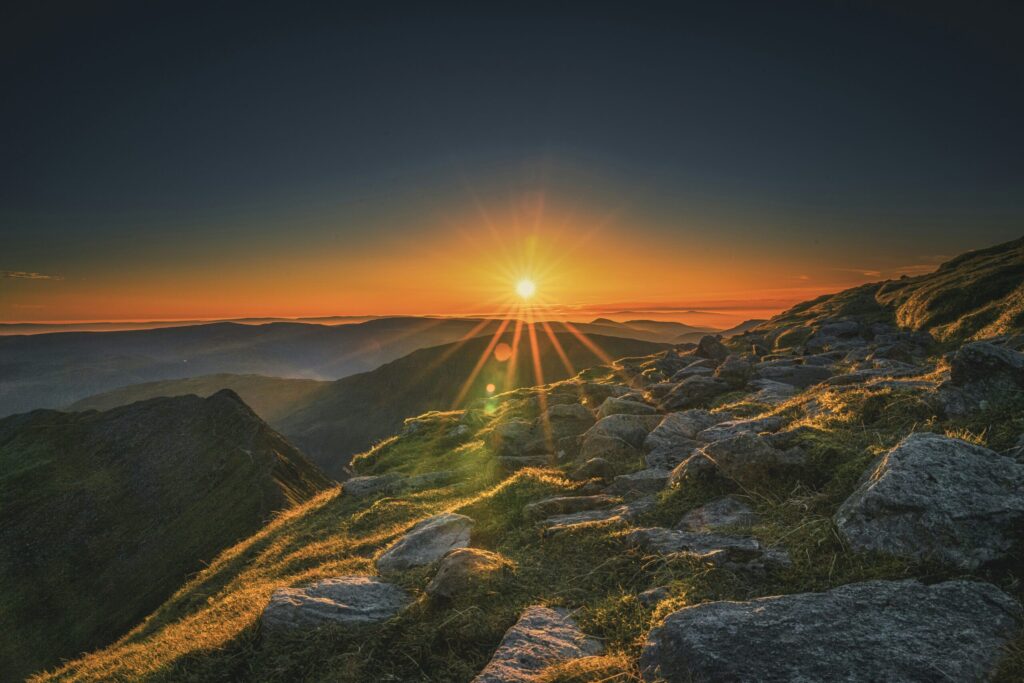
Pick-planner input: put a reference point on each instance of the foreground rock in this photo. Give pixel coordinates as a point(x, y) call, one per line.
point(933, 496)
point(462, 568)
point(872, 631)
point(744, 458)
point(542, 637)
point(427, 542)
point(342, 601)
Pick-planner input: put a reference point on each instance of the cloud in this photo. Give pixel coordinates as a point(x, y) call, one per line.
point(26, 275)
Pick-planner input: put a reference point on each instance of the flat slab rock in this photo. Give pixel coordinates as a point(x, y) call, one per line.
point(619, 514)
point(427, 542)
point(542, 637)
point(932, 496)
point(341, 601)
point(871, 631)
point(721, 512)
point(720, 549)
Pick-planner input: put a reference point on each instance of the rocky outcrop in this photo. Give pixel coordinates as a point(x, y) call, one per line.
point(462, 568)
point(542, 637)
point(872, 631)
point(936, 497)
point(427, 542)
point(343, 601)
point(674, 439)
point(981, 372)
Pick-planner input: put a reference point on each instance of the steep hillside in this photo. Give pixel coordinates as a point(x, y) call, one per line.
point(105, 514)
point(352, 413)
point(270, 397)
point(976, 295)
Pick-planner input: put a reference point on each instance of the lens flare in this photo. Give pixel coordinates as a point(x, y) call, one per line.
point(525, 288)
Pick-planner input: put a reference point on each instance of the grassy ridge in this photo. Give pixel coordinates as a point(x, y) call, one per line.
point(209, 629)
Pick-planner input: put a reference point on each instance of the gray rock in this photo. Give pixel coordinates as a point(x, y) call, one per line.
point(427, 542)
point(541, 638)
point(801, 376)
point(698, 369)
point(697, 466)
point(631, 428)
point(624, 406)
point(932, 496)
point(681, 427)
point(746, 457)
point(341, 601)
point(362, 487)
point(771, 392)
point(984, 362)
point(462, 568)
point(735, 371)
point(721, 512)
point(871, 631)
point(727, 430)
point(620, 514)
point(648, 480)
point(565, 420)
point(710, 347)
point(693, 392)
point(512, 437)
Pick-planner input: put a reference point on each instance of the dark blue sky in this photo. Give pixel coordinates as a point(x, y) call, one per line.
point(126, 122)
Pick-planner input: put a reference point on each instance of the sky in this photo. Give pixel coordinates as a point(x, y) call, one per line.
point(179, 160)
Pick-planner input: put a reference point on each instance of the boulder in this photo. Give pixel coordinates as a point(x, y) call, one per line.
point(342, 601)
point(565, 420)
point(693, 392)
point(513, 437)
point(710, 347)
point(871, 631)
point(734, 371)
point(729, 429)
point(461, 568)
point(631, 428)
point(722, 512)
point(427, 542)
point(681, 428)
point(697, 466)
point(541, 638)
point(746, 457)
point(936, 497)
point(624, 406)
point(986, 363)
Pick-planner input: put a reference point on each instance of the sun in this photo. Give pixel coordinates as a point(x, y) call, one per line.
point(525, 288)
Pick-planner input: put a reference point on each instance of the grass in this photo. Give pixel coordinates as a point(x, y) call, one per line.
point(208, 631)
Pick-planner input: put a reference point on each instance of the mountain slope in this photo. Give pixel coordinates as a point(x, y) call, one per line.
point(976, 295)
point(352, 413)
point(269, 397)
point(106, 513)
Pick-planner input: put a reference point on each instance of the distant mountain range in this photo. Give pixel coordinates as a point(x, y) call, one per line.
point(331, 421)
point(105, 514)
point(55, 370)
